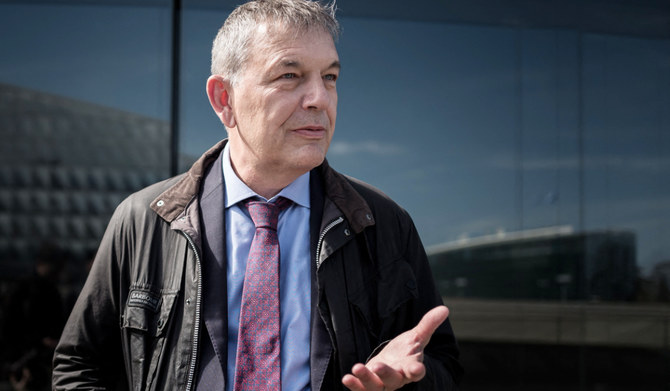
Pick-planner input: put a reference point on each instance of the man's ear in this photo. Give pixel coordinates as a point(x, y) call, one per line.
point(218, 92)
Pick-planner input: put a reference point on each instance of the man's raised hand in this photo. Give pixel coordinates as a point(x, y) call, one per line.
point(401, 360)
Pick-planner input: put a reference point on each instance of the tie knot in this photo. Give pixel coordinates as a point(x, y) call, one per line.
point(266, 214)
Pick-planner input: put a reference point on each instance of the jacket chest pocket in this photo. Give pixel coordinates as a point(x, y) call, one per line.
point(145, 324)
point(396, 285)
point(378, 300)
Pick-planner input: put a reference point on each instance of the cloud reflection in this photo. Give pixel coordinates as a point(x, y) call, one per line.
point(341, 148)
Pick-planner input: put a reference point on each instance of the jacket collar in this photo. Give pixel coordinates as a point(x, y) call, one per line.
point(338, 189)
point(173, 202)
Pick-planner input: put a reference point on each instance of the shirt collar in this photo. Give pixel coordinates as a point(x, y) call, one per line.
point(236, 190)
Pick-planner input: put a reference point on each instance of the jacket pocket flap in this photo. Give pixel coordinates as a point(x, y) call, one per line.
point(397, 285)
point(148, 311)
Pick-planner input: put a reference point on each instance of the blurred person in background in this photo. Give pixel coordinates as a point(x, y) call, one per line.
point(33, 321)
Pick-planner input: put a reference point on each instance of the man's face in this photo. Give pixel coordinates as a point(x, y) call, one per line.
point(284, 102)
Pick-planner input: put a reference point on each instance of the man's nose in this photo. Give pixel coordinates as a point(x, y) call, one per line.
point(317, 94)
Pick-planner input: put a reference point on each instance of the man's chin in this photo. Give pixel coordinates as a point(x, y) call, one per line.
point(307, 160)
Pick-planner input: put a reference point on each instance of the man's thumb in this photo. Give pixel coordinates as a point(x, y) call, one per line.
point(430, 322)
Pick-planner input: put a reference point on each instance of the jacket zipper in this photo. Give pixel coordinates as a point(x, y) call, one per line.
point(323, 234)
point(196, 327)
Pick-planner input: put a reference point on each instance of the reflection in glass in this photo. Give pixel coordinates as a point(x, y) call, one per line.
point(530, 144)
point(79, 174)
point(84, 98)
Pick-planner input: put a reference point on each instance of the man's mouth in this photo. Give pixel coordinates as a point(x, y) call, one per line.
point(311, 131)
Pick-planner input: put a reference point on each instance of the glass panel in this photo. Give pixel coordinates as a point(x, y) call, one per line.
point(84, 101)
point(627, 149)
point(110, 55)
point(531, 153)
point(84, 91)
point(407, 122)
point(199, 126)
point(530, 146)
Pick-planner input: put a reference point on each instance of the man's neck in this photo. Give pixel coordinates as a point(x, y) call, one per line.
point(266, 182)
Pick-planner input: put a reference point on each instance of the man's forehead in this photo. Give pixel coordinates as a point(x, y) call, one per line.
point(281, 46)
point(271, 34)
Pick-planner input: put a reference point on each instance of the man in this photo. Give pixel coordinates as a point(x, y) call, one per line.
point(171, 303)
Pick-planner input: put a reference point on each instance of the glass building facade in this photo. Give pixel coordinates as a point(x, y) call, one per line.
point(530, 141)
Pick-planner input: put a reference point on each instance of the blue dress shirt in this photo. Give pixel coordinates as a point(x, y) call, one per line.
point(294, 274)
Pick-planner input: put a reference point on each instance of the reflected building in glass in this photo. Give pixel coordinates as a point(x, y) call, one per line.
point(65, 165)
point(553, 264)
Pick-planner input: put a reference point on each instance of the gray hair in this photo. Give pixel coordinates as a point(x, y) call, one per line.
point(230, 49)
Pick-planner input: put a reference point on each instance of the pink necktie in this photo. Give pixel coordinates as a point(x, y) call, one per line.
point(257, 365)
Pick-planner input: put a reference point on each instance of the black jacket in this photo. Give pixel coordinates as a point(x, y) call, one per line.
point(138, 322)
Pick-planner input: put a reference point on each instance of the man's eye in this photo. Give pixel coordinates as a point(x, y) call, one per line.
point(330, 77)
point(289, 76)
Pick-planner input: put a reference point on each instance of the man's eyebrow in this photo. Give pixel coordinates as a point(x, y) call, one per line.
point(296, 64)
point(289, 64)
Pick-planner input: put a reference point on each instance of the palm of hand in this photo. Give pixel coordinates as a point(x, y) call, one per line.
point(401, 360)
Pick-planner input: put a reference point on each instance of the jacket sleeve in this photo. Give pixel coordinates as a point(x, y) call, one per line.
point(443, 371)
point(88, 355)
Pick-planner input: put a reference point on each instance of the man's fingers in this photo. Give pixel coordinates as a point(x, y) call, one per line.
point(351, 382)
point(362, 378)
point(415, 371)
point(429, 323)
point(400, 362)
point(391, 378)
